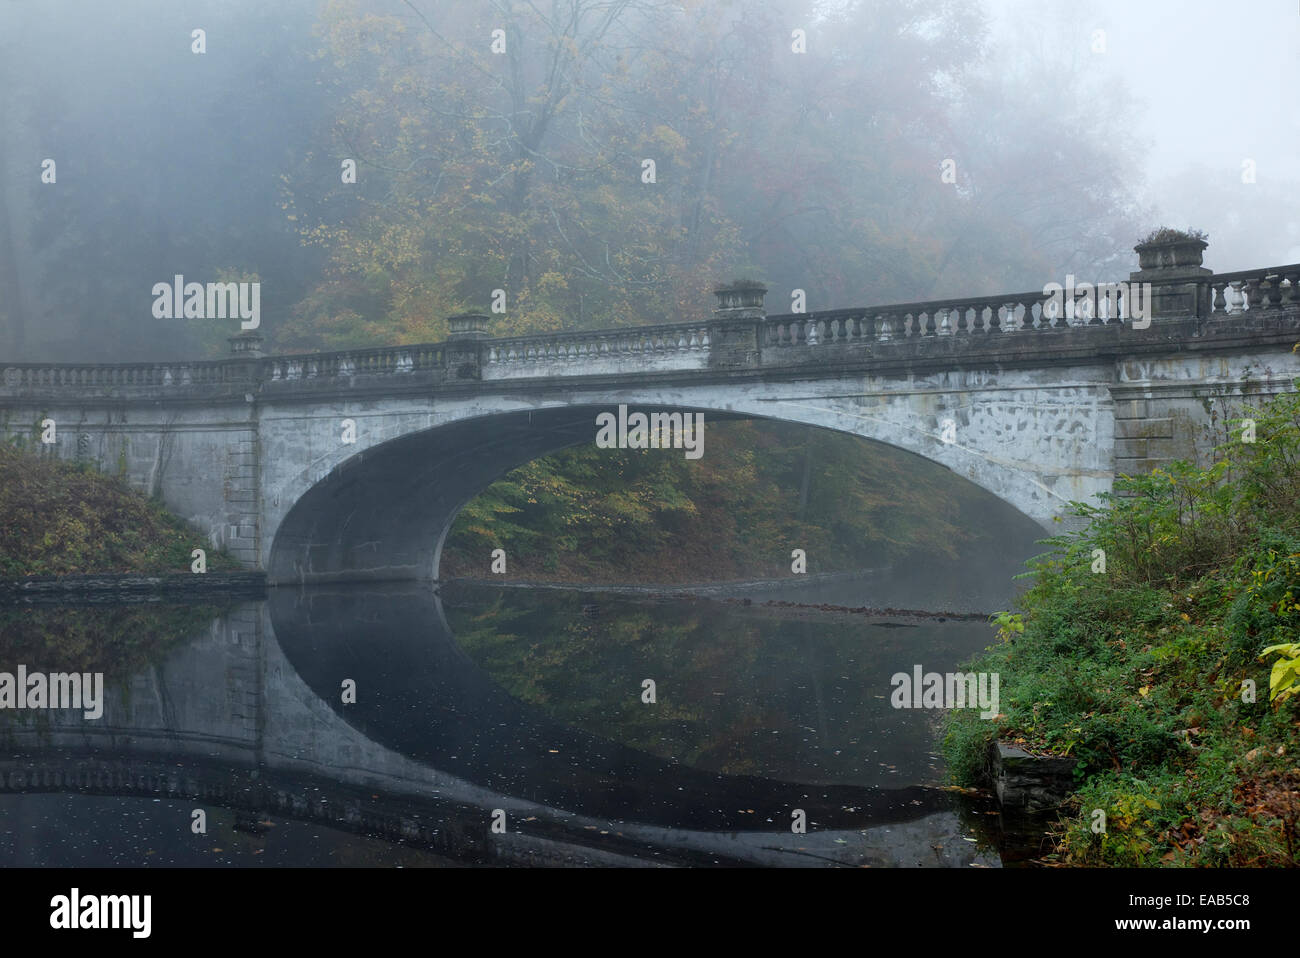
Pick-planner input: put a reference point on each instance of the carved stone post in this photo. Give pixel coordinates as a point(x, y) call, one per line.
point(465, 345)
point(1180, 286)
point(737, 321)
point(246, 349)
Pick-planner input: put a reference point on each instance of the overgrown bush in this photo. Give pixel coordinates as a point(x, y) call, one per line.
point(58, 518)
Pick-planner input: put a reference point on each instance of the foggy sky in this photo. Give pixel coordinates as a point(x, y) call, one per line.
point(1211, 85)
point(1215, 84)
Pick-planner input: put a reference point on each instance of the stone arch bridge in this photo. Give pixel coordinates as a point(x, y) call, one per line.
point(1036, 407)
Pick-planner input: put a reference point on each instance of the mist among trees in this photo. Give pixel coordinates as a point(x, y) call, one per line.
point(903, 156)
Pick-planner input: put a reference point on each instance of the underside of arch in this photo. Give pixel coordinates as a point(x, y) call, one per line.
point(384, 514)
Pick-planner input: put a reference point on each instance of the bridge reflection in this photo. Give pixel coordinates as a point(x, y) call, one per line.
point(249, 715)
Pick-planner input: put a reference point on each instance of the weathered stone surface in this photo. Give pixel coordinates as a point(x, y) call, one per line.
point(1028, 782)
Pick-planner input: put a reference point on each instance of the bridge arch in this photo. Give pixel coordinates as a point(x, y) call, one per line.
point(383, 512)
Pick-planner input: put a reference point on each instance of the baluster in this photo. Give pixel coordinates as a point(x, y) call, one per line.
point(1273, 289)
point(1083, 311)
point(1053, 313)
point(886, 326)
point(1237, 296)
point(1220, 305)
point(1293, 291)
point(1254, 295)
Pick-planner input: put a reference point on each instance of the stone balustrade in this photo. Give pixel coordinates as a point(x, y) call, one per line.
point(738, 336)
point(382, 361)
point(1004, 313)
point(106, 375)
point(1255, 289)
point(575, 347)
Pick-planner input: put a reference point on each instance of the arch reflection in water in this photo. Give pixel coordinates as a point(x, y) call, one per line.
point(420, 694)
point(245, 714)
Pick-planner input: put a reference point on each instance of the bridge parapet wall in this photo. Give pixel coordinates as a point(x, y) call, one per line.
point(994, 330)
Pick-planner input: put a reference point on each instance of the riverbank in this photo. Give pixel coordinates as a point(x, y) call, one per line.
point(725, 589)
point(735, 593)
point(110, 588)
point(1143, 654)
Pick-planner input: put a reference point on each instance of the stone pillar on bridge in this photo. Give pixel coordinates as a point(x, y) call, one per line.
point(464, 350)
point(738, 321)
point(1154, 426)
point(246, 347)
point(1179, 283)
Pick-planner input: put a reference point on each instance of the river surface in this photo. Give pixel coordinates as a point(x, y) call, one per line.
point(400, 726)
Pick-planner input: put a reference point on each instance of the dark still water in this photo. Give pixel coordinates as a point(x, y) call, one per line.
point(396, 726)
